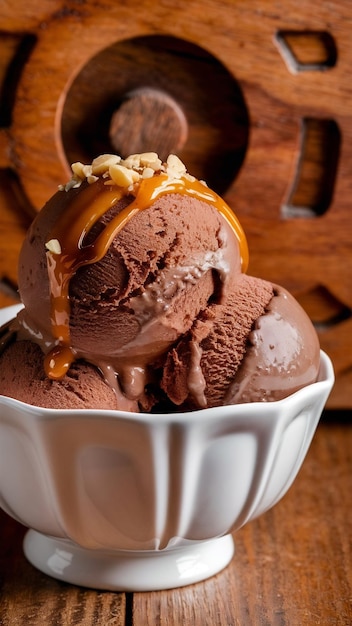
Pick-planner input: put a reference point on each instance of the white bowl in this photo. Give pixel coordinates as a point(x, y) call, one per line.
point(135, 502)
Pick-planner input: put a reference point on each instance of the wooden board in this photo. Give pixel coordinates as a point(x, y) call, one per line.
point(263, 93)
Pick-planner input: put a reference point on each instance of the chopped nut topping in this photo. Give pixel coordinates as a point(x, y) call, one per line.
point(122, 176)
point(101, 164)
point(125, 173)
point(78, 169)
point(73, 183)
point(132, 161)
point(174, 166)
point(87, 171)
point(92, 179)
point(148, 172)
point(151, 160)
point(53, 245)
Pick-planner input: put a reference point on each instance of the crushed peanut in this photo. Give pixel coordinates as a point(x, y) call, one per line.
point(53, 245)
point(148, 172)
point(125, 173)
point(122, 176)
point(92, 179)
point(174, 166)
point(151, 160)
point(101, 164)
point(133, 161)
point(77, 169)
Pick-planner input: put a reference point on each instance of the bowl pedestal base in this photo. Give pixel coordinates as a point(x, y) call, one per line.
point(127, 570)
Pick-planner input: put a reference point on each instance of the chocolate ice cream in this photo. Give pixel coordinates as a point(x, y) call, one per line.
point(269, 337)
point(22, 376)
point(134, 274)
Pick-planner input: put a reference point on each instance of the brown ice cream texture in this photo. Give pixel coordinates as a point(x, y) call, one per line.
point(133, 283)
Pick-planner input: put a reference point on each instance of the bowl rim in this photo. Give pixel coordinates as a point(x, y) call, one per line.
point(323, 385)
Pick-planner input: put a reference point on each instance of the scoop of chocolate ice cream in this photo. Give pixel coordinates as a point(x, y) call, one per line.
point(120, 297)
point(133, 285)
point(156, 276)
point(258, 345)
point(22, 377)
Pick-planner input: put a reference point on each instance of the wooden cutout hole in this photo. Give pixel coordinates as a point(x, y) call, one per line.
point(305, 51)
point(314, 182)
point(323, 308)
point(14, 52)
point(15, 196)
point(204, 114)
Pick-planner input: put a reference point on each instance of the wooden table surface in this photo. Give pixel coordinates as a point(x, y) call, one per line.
point(292, 567)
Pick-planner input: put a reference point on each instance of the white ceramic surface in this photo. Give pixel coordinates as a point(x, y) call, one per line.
point(130, 501)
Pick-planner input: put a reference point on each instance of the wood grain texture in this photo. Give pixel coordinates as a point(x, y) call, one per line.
point(29, 598)
point(292, 566)
point(93, 48)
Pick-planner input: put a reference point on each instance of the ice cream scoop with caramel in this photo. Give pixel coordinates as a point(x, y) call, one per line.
point(136, 298)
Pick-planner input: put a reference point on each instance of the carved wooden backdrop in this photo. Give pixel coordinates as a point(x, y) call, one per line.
point(254, 96)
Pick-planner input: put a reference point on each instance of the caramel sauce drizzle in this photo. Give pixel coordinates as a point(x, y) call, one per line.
point(72, 227)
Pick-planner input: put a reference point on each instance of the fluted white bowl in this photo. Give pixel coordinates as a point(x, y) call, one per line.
point(130, 501)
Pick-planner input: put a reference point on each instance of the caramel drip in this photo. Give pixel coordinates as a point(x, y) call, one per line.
point(76, 222)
